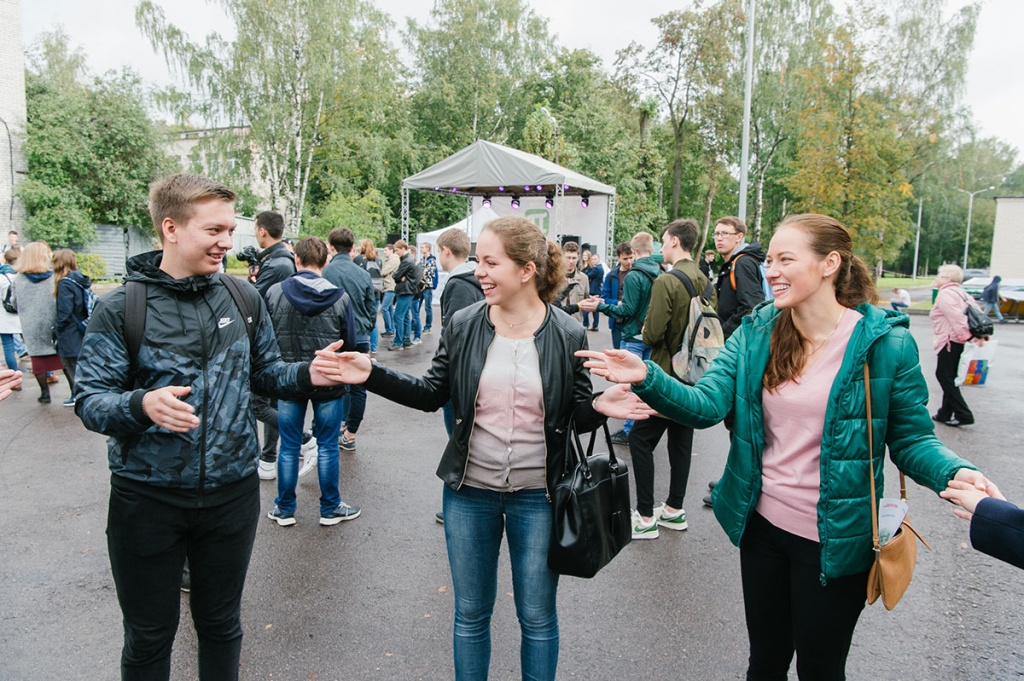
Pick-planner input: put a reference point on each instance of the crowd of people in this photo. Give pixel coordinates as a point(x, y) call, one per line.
point(179, 365)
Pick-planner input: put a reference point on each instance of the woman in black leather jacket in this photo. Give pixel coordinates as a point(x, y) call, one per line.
point(508, 365)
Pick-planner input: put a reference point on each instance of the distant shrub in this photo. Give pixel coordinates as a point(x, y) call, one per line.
point(92, 265)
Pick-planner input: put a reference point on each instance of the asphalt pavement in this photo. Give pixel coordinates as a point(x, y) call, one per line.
point(371, 598)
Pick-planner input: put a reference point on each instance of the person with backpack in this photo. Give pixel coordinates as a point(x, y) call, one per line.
point(740, 283)
point(181, 434)
point(10, 325)
point(428, 284)
point(664, 330)
point(951, 332)
point(75, 302)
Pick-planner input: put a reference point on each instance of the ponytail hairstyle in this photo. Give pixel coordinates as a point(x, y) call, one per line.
point(64, 263)
point(853, 286)
point(524, 242)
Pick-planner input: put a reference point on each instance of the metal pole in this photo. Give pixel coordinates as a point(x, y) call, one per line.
point(747, 94)
point(970, 210)
point(917, 240)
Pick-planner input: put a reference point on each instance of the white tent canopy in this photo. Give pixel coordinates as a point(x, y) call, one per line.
point(471, 225)
point(485, 169)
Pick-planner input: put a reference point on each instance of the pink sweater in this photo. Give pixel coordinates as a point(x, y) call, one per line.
point(794, 417)
point(949, 321)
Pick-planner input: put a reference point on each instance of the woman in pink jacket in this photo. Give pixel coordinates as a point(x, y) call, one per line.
point(949, 323)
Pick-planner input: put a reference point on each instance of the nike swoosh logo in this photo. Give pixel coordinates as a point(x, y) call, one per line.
point(224, 321)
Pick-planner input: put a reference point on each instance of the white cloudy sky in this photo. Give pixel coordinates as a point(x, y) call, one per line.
point(105, 29)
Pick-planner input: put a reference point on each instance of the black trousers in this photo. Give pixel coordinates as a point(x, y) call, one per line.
point(953, 403)
point(643, 438)
point(788, 610)
point(148, 542)
point(265, 410)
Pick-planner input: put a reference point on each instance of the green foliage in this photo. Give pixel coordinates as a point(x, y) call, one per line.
point(92, 151)
point(92, 265)
point(362, 214)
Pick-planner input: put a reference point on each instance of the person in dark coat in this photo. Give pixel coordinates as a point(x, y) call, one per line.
point(72, 314)
point(990, 299)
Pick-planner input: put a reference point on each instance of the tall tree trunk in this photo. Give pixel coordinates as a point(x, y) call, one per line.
point(708, 200)
point(677, 168)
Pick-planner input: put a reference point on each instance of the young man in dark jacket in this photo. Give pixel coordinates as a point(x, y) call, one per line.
point(663, 330)
point(743, 259)
point(276, 263)
point(182, 444)
point(405, 288)
point(308, 312)
point(595, 278)
point(357, 283)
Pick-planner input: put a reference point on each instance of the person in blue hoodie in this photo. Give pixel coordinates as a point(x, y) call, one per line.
point(308, 313)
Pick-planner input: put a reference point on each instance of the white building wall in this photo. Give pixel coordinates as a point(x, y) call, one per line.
point(1008, 238)
point(13, 166)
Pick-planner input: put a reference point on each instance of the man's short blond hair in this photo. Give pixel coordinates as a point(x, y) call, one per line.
point(642, 244)
point(456, 241)
point(176, 196)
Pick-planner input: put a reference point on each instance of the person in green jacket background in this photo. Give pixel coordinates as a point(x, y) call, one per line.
point(795, 493)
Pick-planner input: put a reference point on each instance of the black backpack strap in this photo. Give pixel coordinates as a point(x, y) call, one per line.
point(691, 289)
point(134, 319)
point(243, 302)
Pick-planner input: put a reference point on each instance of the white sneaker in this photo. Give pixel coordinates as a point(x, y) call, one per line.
point(671, 522)
point(642, 529)
point(267, 470)
point(309, 464)
point(308, 444)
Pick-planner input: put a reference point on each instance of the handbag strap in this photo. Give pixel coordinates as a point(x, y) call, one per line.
point(871, 464)
point(580, 455)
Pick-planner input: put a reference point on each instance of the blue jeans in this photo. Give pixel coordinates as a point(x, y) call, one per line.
point(414, 318)
point(375, 334)
point(586, 319)
point(428, 302)
point(988, 308)
point(643, 351)
point(617, 336)
point(10, 355)
point(19, 345)
point(355, 399)
point(327, 415)
point(403, 319)
point(387, 308)
point(474, 521)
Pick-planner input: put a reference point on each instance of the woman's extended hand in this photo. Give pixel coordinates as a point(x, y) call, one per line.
point(617, 366)
point(340, 367)
point(618, 402)
point(979, 482)
point(9, 380)
point(965, 495)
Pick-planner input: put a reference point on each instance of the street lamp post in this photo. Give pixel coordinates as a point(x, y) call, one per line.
point(970, 210)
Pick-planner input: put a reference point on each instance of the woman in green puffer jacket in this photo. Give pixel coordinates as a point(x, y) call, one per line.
point(795, 493)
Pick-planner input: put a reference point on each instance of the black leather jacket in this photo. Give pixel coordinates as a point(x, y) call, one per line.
point(455, 373)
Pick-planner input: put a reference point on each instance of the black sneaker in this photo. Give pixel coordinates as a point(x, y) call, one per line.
point(281, 518)
point(707, 501)
point(439, 517)
point(711, 485)
point(620, 438)
point(956, 423)
point(395, 348)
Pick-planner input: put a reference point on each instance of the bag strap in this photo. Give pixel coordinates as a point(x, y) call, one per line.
point(871, 464)
point(134, 319)
point(577, 455)
point(243, 302)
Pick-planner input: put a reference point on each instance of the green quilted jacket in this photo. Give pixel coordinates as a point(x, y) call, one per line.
point(901, 421)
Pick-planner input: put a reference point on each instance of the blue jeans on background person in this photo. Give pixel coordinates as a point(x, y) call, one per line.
point(428, 302)
point(19, 345)
point(414, 318)
point(387, 309)
point(474, 521)
point(897, 305)
point(643, 351)
point(989, 308)
point(10, 354)
point(327, 416)
point(403, 320)
point(375, 333)
point(147, 542)
point(616, 336)
point(586, 319)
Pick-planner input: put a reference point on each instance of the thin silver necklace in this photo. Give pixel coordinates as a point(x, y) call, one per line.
point(512, 326)
point(829, 336)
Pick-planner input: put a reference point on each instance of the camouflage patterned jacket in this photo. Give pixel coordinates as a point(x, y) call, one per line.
point(195, 337)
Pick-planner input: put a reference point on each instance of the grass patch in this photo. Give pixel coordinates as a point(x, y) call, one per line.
point(888, 283)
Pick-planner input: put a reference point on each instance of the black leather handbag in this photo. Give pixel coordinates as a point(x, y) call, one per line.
point(591, 519)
